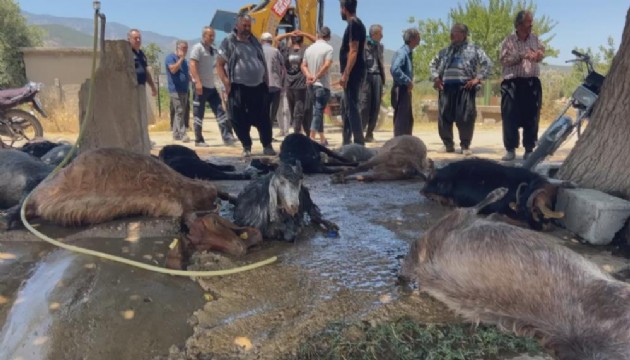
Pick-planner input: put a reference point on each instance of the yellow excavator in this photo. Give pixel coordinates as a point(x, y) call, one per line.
point(275, 17)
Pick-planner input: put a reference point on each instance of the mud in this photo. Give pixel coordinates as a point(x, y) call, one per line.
point(57, 305)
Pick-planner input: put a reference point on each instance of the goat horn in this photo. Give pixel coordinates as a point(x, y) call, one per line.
point(546, 211)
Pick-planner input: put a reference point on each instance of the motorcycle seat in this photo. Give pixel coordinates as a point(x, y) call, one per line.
point(12, 97)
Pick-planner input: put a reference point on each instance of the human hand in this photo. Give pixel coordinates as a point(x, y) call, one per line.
point(153, 91)
point(343, 81)
point(198, 88)
point(438, 84)
point(228, 87)
point(410, 86)
point(471, 83)
point(180, 54)
point(310, 80)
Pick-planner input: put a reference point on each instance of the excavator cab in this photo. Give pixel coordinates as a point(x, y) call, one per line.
point(275, 16)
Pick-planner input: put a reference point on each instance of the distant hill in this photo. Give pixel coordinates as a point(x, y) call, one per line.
point(77, 32)
point(63, 36)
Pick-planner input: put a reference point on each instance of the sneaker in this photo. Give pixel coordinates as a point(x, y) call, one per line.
point(509, 156)
point(447, 149)
point(268, 150)
point(324, 143)
point(369, 138)
point(185, 139)
point(247, 153)
point(229, 141)
point(201, 144)
point(466, 152)
point(527, 155)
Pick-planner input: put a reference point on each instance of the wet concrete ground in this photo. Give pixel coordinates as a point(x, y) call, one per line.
point(58, 305)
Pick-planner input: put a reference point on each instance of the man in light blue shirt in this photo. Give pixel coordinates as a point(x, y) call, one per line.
point(402, 73)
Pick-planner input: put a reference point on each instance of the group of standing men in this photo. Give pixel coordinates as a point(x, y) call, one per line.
point(456, 72)
point(253, 75)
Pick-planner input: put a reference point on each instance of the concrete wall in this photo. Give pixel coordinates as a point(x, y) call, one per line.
point(62, 71)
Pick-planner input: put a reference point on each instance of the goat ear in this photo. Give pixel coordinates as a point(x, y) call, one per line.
point(298, 167)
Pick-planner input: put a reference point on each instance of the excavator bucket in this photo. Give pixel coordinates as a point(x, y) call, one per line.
point(224, 21)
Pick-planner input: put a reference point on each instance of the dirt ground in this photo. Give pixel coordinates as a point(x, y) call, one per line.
point(58, 305)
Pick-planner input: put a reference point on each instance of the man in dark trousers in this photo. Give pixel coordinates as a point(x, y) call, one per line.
point(521, 91)
point(372, 91)
point(457, 72)
point(402, 73)
point(352, 64)
point(246, 83)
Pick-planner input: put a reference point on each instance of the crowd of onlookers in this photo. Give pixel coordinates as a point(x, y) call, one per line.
point(249, 81)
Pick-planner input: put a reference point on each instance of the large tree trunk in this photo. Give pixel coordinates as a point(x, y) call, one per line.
point(601, 158)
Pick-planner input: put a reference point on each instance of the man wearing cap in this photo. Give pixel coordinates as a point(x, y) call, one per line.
point(275, 68)
point(317, 61)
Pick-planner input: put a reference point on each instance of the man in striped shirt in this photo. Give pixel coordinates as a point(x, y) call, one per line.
point(457, 72)
point(521, 91)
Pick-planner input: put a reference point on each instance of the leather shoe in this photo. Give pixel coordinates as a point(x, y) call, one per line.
point(509, 156)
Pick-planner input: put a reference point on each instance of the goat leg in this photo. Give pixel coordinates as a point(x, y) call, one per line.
point(227, 197)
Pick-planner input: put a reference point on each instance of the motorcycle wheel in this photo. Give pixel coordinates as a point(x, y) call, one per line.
point(24, 126)
point(544, 148)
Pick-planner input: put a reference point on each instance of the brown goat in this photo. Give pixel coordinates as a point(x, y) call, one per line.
point(105, 184)
point(402, 157)
point(515, 278)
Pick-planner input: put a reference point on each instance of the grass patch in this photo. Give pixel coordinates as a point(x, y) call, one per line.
point(405, 339)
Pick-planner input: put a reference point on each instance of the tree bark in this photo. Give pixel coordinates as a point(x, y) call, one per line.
point(601, 157)
point(120, 104)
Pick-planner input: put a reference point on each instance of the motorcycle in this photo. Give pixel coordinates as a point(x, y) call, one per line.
point(583, 99)
point(17, 124)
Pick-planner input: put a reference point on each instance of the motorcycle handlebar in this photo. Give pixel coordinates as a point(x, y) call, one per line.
point(577, 53)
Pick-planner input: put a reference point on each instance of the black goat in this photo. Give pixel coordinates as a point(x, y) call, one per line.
point(465, 183)
point(276, 204)
point(19, 174)
point(186, 162)
point(298, 147)
point(38, 147)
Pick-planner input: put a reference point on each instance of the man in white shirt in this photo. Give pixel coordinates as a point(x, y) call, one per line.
point(315, 65)
point(202, 60)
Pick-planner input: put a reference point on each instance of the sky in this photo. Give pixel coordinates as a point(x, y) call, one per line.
point(580, 23)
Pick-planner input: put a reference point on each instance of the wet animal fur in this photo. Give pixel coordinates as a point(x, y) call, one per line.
point(262, 206)
point(515, 278)
point(402, 157)
point(105, 184)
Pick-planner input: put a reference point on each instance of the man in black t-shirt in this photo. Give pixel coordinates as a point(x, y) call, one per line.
point(352, 61)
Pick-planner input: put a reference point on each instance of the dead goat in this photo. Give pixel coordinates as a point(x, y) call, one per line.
point(515, 278)
point(400, 158)
point(277, 203)
point(298, 147)
point(186, 162)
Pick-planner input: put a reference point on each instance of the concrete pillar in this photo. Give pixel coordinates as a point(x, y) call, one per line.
point(119, 118)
